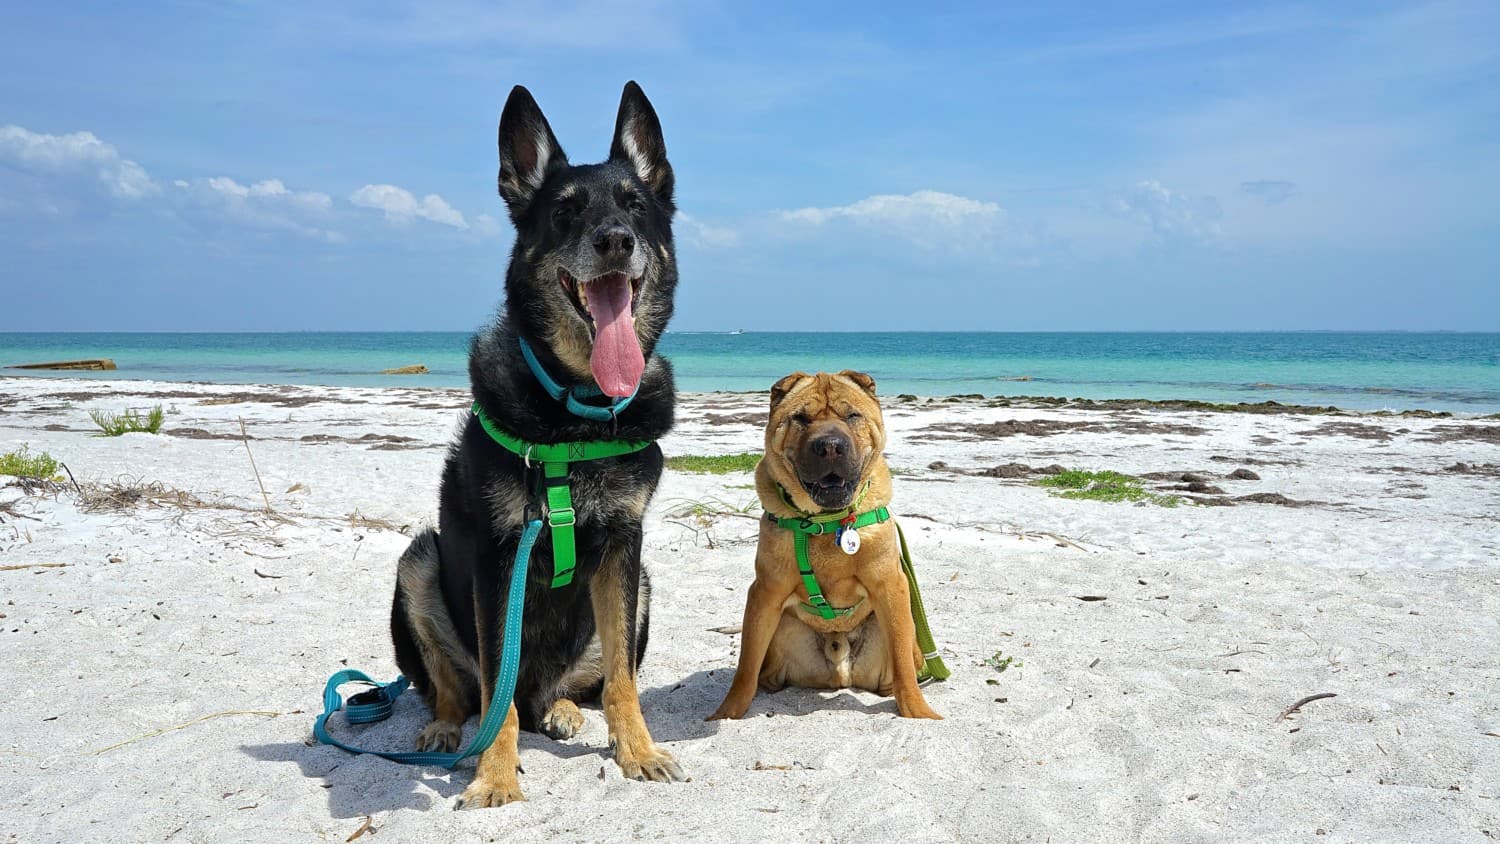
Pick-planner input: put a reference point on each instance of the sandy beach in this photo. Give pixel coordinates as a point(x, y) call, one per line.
point(164, 639)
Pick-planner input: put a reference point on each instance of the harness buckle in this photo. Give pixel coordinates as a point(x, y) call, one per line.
point(561, 517)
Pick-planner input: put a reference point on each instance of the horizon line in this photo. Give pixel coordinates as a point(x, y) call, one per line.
point(734, 331)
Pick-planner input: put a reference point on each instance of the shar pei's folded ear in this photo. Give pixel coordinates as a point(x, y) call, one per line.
point(785, 386)
point(864, 381)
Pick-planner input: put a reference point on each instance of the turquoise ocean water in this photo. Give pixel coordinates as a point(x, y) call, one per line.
point(1362, 371)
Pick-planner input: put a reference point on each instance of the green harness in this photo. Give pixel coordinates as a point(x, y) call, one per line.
point(555, 460)
point(836, 523)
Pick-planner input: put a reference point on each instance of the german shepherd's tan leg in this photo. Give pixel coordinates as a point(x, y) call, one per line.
point(445, 730)
point(449, 668)
point(495, 782)
point(638, 756)
point(762, 616)
point(893, 609)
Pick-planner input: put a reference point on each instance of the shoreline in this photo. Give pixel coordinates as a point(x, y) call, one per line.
point(163, 390)
point(1352, 555)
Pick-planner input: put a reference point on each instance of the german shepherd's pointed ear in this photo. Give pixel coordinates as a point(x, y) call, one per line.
point(864, 381)
point(780, 389)
point(528, 151)
point(638, 144)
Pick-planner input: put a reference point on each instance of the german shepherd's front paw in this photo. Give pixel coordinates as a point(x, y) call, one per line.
point(442, 736)
point(485, 794)
point(648, 762)
point(563, 720)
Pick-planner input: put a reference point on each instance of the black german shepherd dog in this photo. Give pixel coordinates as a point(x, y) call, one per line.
point(590, 288)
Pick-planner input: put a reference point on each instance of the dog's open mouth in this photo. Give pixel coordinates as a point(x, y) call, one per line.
point(579, 294)
point(831, 491)
point(607, 305)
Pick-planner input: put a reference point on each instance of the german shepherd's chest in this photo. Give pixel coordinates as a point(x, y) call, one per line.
point(606, 493)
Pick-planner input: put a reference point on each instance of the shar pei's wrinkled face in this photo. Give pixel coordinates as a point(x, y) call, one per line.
point(824, 437)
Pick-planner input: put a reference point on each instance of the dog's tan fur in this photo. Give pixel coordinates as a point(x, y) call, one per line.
point(782, 644)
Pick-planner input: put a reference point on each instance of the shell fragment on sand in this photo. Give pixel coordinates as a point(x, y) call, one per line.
point(92, 363)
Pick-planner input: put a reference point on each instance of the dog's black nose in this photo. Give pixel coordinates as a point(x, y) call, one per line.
point(614, 241)
point(829, 447)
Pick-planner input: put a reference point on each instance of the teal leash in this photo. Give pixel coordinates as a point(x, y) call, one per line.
point(376, 704)
point(571, 397)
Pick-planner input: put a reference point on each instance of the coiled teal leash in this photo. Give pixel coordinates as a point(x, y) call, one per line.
point(376, 704)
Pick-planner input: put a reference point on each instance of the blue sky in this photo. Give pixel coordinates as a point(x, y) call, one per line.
point(1005, 166)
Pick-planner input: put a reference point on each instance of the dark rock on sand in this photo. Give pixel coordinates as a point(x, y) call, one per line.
point(1052, 427)
point(1244, 475)
point(1352, 429)
point(1254, 461)
point(1452, 433)
point(1272, 498)
point(757, 420)
point(1210, 501)
point(1008, 470)
point(1473, 469)
point(201, 434)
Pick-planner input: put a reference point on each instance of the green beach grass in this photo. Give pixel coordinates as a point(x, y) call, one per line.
point(1104, 485)
point(129, 422)
point(23, 463)
point(720, 464)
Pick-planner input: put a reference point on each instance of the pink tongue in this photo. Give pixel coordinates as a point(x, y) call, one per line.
point(617, 361)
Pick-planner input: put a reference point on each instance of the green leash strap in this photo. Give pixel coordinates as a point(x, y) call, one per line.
point(376, 704)
point(933, 666)
point(835, 523)
point(804, 526)
point(555, 459)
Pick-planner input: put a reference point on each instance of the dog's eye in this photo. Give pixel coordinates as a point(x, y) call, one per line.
point(852, 416)
point(801, 418)
point(634, 203)
point(562, 217)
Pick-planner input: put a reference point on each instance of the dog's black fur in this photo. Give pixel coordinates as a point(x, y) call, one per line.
point(562, 213)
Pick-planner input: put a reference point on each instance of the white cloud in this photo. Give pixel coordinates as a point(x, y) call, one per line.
point(922, 206)
point(266, 204)
point(270, 191)
point(1171, 215)
point(697, 233)
point(928, 219)
point(78, 151)
point(401, 206)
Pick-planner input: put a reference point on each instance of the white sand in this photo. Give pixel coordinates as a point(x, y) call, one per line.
point(1147, 716)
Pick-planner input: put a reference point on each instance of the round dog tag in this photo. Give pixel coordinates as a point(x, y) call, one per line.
point(849, 541)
